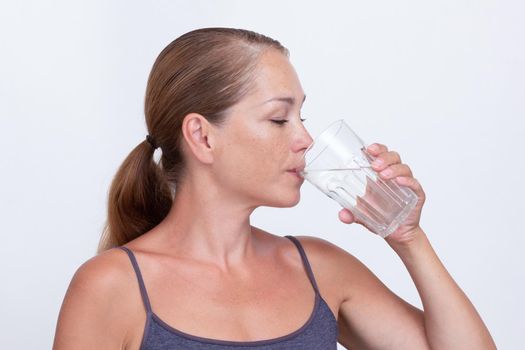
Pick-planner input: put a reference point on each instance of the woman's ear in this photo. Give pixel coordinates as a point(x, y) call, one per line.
point(197, 132)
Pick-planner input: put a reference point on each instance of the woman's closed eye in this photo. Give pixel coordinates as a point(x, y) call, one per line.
point(284, 121)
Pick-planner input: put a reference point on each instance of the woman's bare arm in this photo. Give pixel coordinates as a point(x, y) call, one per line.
point(371, 316)
point(451, 321)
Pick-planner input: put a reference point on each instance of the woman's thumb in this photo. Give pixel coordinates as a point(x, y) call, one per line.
point(346, 216)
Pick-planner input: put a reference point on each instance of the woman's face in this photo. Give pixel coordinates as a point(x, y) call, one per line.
point(264, 139)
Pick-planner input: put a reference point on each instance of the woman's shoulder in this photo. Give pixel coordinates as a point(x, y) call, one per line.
point(105, 280)
point(97, 300)
point(322, 250)
point(104, 267)
point(106, 275)
point(316, 248)
point(333, 265)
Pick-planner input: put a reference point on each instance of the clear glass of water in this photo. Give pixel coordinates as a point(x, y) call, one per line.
point(338, 164)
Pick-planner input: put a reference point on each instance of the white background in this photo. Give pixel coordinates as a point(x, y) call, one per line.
point(441, 82)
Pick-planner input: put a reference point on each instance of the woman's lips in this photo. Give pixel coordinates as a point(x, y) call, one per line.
point(295, 174)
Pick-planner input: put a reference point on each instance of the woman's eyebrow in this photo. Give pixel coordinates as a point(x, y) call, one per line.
point(289, 100)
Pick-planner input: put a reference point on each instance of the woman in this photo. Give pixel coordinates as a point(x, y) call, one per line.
point(180, 266)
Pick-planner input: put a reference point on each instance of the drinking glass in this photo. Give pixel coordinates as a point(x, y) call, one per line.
point(338, 164)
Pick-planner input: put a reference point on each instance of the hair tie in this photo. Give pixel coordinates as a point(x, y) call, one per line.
point(151, 141)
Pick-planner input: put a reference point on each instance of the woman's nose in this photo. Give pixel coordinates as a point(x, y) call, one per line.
point(304, 140)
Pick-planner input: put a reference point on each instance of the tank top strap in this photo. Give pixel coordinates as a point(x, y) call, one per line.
point(306, 264)
point(142, 287)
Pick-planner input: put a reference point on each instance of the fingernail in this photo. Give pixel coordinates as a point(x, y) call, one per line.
point(386, 172)
point(378, 162)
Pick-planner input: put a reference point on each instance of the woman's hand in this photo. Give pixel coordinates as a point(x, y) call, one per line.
point(388, 165)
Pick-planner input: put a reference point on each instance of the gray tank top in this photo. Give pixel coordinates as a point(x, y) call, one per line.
point(319, 332)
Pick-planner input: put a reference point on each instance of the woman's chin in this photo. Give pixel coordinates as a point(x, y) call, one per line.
point(287, 202)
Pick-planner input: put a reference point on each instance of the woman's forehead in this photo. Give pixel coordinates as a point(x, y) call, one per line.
point(275, 80)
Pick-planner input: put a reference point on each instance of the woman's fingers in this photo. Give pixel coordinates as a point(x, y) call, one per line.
point(413, 184)
point(388, 163)
point(376, 149)
point(395, 170)
point(385, 159)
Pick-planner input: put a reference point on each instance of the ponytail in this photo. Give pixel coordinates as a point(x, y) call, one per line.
point(139, 198)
